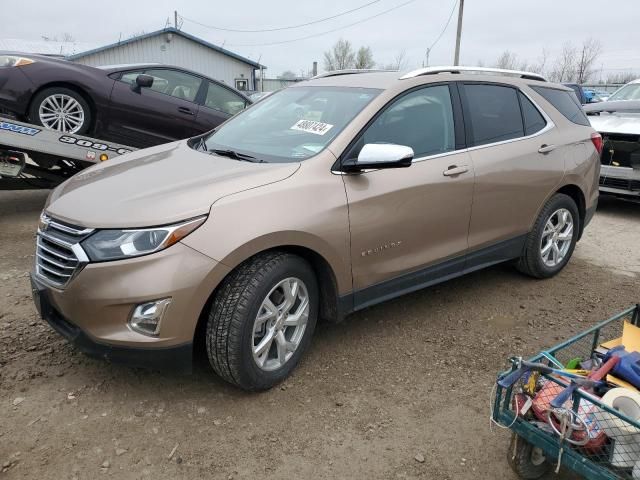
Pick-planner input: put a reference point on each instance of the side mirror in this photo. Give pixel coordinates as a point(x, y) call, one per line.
point(142, 80)
point(381, 155)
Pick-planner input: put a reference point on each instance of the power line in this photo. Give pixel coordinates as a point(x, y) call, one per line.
point(281, 28)
point(455, 4)
point(321, 33)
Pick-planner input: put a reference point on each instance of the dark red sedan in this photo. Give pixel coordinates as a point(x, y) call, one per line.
point(139, 105)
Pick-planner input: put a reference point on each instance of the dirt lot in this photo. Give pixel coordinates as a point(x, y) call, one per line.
point(407, 378)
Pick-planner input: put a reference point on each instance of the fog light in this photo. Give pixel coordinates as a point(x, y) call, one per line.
point(146, 317)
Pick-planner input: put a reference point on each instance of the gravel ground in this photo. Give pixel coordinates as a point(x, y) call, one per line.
point(400, 390)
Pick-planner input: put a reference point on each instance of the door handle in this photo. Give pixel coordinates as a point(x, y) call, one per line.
point(544, 148)
point(455, 170)
point(185, 110)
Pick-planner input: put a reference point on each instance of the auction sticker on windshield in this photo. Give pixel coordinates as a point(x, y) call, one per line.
point(311, 126)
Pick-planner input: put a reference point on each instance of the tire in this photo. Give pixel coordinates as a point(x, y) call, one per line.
point(231, 338)
point(532, 262)
point(46, 102)
point(528, 462)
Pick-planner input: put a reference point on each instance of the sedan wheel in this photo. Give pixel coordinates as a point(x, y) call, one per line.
point(61, 112)
point(61, 109)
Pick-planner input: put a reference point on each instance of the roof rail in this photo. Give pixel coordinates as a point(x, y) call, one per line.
point(501, 71)
point(350, 71)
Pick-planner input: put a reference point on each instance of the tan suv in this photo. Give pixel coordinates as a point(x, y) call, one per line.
point(322, 199)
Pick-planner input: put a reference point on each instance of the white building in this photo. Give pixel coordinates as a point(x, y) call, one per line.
point(175, 47)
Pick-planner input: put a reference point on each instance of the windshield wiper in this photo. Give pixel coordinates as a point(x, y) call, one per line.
point(234, 154)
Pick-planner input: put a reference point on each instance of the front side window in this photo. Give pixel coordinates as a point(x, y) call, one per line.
point(494, 113)
point(422, 120)
point(169, 82)
point(291, 125)
point(565, 102)
point(631, 91)
point(223, 99)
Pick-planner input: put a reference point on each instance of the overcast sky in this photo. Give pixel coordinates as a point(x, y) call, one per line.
point(489, 27)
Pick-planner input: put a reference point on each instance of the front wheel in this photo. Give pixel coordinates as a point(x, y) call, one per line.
point(61, 109)
point(551, 242)
point(262, 319)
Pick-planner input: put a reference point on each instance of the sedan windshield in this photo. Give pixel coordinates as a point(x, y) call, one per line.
point(630, 91)
point(291, 125)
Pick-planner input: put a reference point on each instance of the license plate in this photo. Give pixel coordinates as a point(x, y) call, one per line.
point(11, 163)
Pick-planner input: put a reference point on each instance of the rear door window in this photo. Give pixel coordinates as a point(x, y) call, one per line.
point(493, 112)
point(533, 119)
point(565, 102)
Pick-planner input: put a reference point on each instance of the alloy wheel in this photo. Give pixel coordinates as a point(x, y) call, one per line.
point(62, 113)
point(280, 324)
point(556, 237)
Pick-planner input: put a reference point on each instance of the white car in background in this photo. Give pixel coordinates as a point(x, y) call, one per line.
point(618, 121)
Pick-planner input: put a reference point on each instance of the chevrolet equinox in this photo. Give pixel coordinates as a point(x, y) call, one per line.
point(322, 199)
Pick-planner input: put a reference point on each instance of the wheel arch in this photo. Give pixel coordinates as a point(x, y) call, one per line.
point(71, 86)
point(330, 309)
point(576, 193)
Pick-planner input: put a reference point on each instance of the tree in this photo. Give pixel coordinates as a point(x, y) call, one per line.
point(287, 75)
point(399, 62)
point(364, 58)
point(507, 60)
point(589, 53)
point(564, 68)
point(340, 57)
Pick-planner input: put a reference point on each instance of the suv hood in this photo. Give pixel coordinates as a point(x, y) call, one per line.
point(157, 186)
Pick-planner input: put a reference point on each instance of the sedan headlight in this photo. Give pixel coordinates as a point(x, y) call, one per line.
point(14, 61)
point(118, 244)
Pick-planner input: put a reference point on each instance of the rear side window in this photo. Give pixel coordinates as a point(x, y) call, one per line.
point(533, 119)
point(494, 113)
point(565, 102)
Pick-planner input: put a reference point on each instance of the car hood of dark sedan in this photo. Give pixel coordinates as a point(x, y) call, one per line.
point(157, 186)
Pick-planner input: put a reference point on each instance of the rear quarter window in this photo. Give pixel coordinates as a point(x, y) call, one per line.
point(565, 102)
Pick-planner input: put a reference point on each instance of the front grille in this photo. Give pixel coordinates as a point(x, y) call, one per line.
point(622, 183)
point(59, 256)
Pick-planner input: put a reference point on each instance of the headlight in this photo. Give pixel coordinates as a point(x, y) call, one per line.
point(117, 244)
point(14, 61)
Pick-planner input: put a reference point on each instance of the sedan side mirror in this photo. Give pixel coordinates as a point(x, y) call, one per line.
point(142, 80)
point(381, 155)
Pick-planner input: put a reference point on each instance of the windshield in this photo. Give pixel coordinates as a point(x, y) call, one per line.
point(291, 125)
point(630, 91)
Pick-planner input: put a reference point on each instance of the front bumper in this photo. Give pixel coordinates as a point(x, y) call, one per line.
point(177, 358)
point(93, 310)
point(623, 181)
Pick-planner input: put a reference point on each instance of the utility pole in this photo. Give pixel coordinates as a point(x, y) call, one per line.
point(428, 52)
point(456, 58)
point(175, 20)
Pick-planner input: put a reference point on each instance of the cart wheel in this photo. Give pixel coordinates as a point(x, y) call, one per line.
point(527, 461)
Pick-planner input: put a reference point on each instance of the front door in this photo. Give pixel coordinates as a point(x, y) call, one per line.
point(409, 226)
point(220, 103)
point(162, 113)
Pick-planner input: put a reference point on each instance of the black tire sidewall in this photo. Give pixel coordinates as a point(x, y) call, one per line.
point(252, 374)
point(555, 203)
point(37, 100)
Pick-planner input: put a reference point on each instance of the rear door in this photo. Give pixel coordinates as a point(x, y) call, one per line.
point(219, 104)
point(404, 221)
point(162, 113)
point(513, 148)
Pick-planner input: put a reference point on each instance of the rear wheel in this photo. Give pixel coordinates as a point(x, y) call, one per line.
point(61, 109)
point(551, 242)
point(262, 319)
